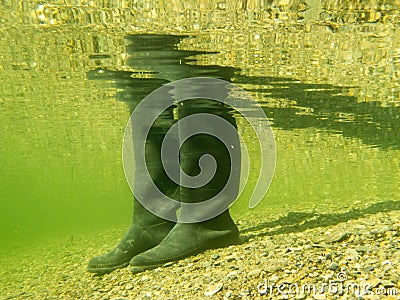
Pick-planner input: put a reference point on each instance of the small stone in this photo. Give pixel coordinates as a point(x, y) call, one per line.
point(387, 283)
point(395, 279)
point(352, 254)
point(274, 278)
point(230, 258)
point(65, 277)
point(254, 272)
point(168, 264)
point(387, 263)
point(268, 245)
point(232, 275)
point(145, 278)
point(275, 265)
point(234, 267)
point(228, 294)
point(373, 283)
point(215, 256)
point(359, 227)
point(327, 277)
point(213, 289)
point(368, 268)
point(336, 236)
point(381, 228)
point(362, 249)
point(334, 266)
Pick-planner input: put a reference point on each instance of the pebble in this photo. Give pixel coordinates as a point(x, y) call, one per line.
point(65, 277)
point(374, 282)
point(395, 278)
point(387, 283)
point(168, 264)
point(352, 254)
point(368, 268)
point(148, 294)
point(360, 227)
point(230, 258)
point(379, 229)
point(275, 265)
point(215, 256)
point(387, 263)
point(274, 278)
point(254, 272)
point(336, 236)
point(213, 289)
point(231, 273)
point(334, 266)
point(362, 249)
point(228, 294)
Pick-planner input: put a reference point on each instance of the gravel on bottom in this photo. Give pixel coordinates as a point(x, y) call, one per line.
point(353, 254)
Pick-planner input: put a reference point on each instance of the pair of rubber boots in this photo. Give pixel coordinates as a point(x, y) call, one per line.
point(152, 241)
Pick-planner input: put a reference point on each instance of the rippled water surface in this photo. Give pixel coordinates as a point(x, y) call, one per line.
point(326, 74)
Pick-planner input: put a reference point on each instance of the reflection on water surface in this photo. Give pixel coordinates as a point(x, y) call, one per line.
point(325, 72)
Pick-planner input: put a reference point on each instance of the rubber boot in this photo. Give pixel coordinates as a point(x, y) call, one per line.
point(187, 239)
point(147, 229)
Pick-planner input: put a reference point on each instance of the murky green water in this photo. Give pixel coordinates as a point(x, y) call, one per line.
point(326, 75)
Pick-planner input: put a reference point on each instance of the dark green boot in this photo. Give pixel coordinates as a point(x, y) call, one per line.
point(145, 232)
point(147, 229)
point(187, 239)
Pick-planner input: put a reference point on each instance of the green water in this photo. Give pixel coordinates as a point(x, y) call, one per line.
point(326, 76)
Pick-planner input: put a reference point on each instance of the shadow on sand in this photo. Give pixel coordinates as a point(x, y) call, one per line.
point(301, 221)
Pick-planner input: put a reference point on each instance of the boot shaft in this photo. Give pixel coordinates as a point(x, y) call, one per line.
point(223, 150)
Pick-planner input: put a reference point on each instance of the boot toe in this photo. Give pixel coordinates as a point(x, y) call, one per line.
point(145, 261)
point(107, 263)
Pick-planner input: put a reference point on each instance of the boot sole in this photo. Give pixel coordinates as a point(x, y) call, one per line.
point(106, 270)
point(215, 245)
